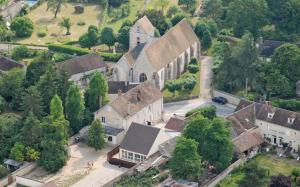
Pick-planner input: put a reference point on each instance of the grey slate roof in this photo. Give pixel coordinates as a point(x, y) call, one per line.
point(7, 64)
point(139, 138)
point(112, 131)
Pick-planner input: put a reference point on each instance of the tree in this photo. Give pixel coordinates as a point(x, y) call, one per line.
point(96, 135)
point(158, 20)
point(247, 15)
point(55, 6)
point(206, 40)
point(185, 161)
point(107, 36)
point(90, 38)
point(203, 33)
point(96, 92)
point(3, 171)
point(280, 181)
point(254, 175)
point(189, 4)
point(66, 23)
point(75, 108)
point(208, 112)
point(47, 87)
point(163, 4)
point(173, 10)
point(17, 152)
point(22, 26)
point(31, 131)
point(63, 84)
point(177, 18)
point(32, 102)
point(20, 52)
point(56, 109)
point(35, 70)
point(213, 9)
point(123, 36)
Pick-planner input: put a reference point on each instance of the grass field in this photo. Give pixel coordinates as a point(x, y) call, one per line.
point(44, 19)
point(183, 94)
point(274, 164)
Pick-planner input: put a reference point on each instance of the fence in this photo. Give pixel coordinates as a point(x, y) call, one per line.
point(116, 161)
point(232, 99)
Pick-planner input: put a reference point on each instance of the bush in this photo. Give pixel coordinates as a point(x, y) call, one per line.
point(291, 104)
point(193, 68)
point(189, 83)
point(21, 52)
point(22, 26)
point(3, 171)
point(194, 61)
point(209, 112)
point(68, 49)
point(42, 32)
point(110, 56)
point(80, 23)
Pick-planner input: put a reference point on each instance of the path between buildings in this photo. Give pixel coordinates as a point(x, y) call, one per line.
point(206, 77)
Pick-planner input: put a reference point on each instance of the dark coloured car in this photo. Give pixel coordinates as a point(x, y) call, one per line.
point(220, 100)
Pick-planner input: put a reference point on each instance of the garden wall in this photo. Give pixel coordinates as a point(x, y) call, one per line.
point(232, 99)
point(28, 182)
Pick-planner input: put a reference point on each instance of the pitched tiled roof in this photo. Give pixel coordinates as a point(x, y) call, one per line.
point(139, 138)
point(242, 104)
point(124, 86)
point(7, 64)
point(168, 47)
point(145, 23)
point(176, 124)
point(247, 140)
point(82, 64)
point(136, 99)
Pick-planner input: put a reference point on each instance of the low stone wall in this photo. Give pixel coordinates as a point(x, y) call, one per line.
point(232, 99)
point(26, 168)
point(28, 182)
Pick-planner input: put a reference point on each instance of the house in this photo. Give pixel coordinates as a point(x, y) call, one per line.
point(278, 126)
point(176, 124)
point(7, 64)
point(142, 104)
point(268, 47)
point(157, 59)
point(116, 88)
point(140, 142)
point(79, 68)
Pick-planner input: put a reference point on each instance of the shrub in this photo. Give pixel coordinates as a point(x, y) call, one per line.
point(42, 32)
point(3, 171)
point(174, 85)
point(80, 23)
point(22, 26)
point(189, 83)
point(193, 68)
point(194, 61)
point(68, 49)
point(291, 104)
point(209, 112)
point(110, 56)
point(21, 52)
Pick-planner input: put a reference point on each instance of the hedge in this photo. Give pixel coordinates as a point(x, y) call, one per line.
point(68, 49)
point(81, 51)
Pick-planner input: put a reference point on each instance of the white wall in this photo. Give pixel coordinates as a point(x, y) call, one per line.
point(142, 34)
point(162, 137)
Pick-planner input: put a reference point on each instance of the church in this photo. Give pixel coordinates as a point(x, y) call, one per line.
point(157, 59)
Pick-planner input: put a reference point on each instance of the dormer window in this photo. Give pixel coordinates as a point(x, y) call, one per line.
point(271, 115)
point(291, 120)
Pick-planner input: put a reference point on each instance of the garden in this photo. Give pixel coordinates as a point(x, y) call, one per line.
point(185, 87)
point(260, 170)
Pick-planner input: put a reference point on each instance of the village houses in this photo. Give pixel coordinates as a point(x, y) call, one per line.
point(157, 59)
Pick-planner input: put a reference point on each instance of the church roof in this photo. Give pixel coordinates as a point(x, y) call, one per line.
point(145, 23)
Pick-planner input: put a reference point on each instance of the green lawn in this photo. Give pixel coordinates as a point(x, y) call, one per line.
point(274, 164)
point(183, 94)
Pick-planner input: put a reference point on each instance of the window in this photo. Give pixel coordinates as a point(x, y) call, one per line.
point(149, 123)
point(124, 154)
point(137, 157)
point(291, 120)
point(109, 138)
point(143, 158)
point(138, 41)
point(138, 30)
point(270, 115)
point(130, 156)
point(103, 119)
point(143, 77)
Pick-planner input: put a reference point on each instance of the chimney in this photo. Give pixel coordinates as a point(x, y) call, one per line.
point(119, 92)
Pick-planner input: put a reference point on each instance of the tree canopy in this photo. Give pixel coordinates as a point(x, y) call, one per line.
point(96, 135)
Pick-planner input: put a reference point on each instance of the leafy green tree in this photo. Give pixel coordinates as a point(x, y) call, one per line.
point(173, 10)
point(255, 175)
point(96, 135)
point(213, 9)
point(56, 109)
point(177, 18)
point(108, 36)
point(55, 6)
point(203, 33)
point(206, 40)
point(163, 4)
point(32, 154)
point(2, 104)
point(185, 161)
point(189, 4)
point(47, 87)
point(123, 36)
point(17, 152)
point(75, 108)
point(20, 52)
point(32, 102)
point(66, 23)
point(31, 131)
point(280, 181)
point(247, 15)
point(90, 38)
point(158, 20)
point(62, 84)
point(96, 92)
point(35, 70)
point(208, 112)
point(212, 26)
point(22, 26)
point(3, 171)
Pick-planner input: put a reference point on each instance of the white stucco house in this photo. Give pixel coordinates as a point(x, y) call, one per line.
point(157, 59)
point(142, 104)
point(277, 126)
point(141, 141)
point(79, 68)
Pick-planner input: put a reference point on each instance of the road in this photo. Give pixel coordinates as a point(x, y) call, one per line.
point(206, 77)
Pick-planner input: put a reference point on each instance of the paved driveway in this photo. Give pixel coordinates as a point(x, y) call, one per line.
point(206, 77)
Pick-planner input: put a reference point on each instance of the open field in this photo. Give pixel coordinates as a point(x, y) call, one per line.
point(274, 164)
point(44, 19)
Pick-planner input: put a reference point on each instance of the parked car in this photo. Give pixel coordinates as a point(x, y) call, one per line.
point(220, 100)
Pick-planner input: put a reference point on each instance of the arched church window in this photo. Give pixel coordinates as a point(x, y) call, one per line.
point(143, 77)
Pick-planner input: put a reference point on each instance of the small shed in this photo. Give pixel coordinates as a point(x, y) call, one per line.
point(298, 88)
point(12, 164)
point(79, 9)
